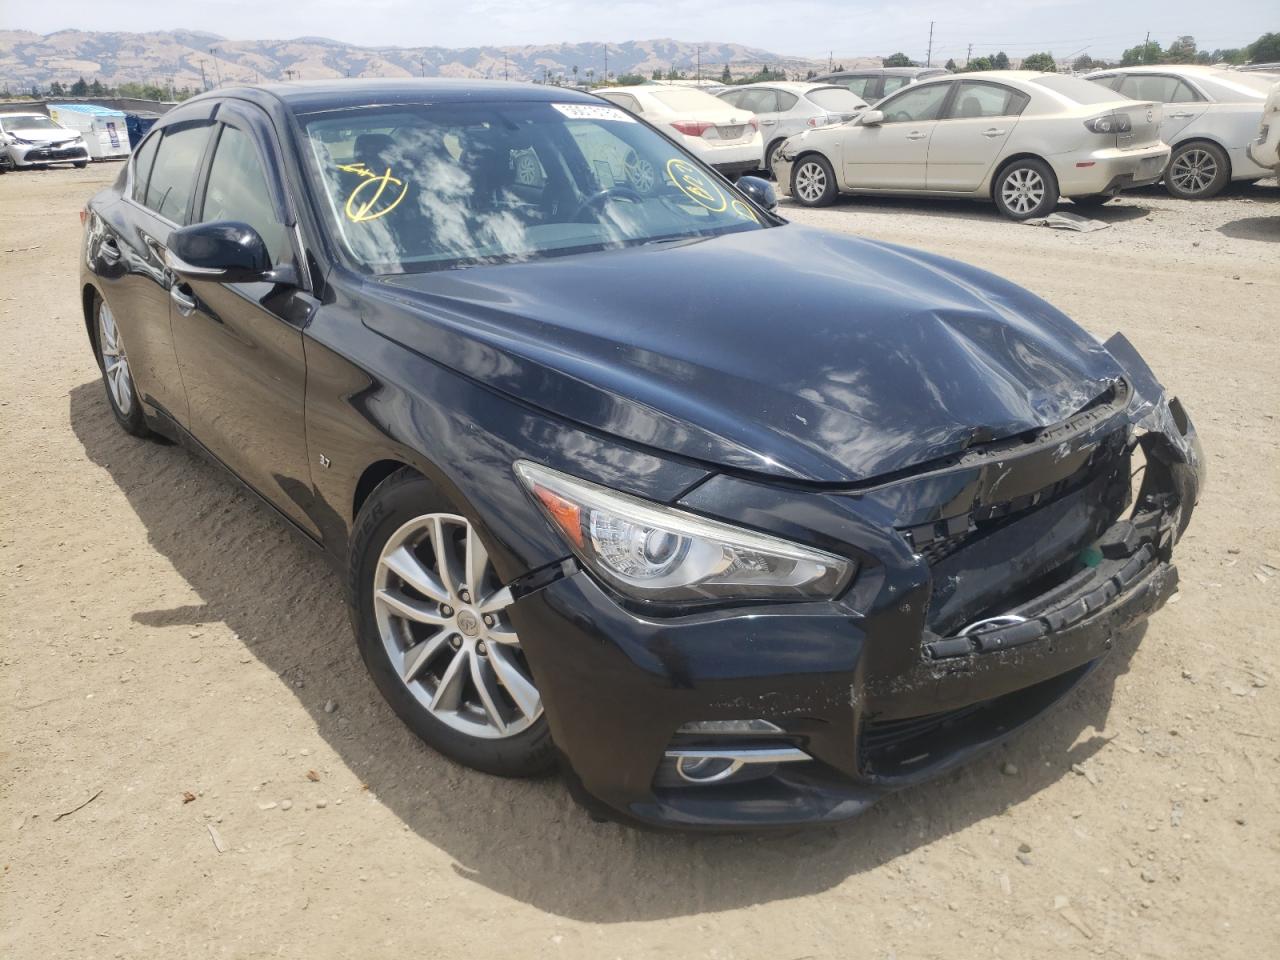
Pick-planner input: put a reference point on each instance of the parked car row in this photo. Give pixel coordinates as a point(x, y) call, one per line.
point(1025, 140)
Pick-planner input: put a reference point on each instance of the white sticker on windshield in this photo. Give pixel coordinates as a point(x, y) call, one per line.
point(591, 111)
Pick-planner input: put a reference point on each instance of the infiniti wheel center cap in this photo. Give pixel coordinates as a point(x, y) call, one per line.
point(469, 623)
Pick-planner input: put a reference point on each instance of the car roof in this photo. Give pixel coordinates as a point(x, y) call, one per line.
point(306, 96)
point(884, 72)
point(25, 113)
point(799, 86)
point(1165, 68)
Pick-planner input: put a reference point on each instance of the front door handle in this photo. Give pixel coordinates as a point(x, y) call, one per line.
point(993, 132)
point(184, 301)
point(916, 135)
point(1181, 116)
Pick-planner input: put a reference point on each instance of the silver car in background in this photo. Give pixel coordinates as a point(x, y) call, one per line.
point(1211, 115)
point(786, 108)
point(1020, 138)
point(873, 84)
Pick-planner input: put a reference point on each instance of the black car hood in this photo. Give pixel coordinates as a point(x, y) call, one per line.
point(788, 352)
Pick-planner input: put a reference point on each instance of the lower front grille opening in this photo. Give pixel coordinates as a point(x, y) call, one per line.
point(907, 746)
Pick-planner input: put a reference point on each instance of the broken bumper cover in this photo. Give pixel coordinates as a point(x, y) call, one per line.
point(901, 679)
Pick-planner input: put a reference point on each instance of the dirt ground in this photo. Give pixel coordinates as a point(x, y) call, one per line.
point(162, 633)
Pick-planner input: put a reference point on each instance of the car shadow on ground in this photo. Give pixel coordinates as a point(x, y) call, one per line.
point(1266, 229)
point(283, 601)
point(948, 208)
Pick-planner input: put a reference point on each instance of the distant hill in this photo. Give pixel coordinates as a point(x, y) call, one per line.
point(176, 58)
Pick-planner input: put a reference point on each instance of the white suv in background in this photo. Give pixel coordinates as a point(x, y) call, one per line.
point(721, 135)
point(787, 108)
point(1210, 117)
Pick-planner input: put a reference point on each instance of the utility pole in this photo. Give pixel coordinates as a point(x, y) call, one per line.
point(606, 63)
point(831, 54)
point(204, 82)
point(699, 63)
point(422, 63)
point(968, 56)
point(216, 69)
point(928, 59)
point(1144, 46)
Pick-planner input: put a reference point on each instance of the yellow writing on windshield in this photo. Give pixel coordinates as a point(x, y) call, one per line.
point(376, 195)
point(696, 185)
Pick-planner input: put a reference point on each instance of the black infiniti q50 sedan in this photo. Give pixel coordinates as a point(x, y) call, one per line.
point(737, 522)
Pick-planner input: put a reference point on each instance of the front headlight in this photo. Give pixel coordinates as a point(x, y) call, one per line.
point(653, 552)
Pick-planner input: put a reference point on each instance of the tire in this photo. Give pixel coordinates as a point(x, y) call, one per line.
point(117, 377)
point(813, 182)
point(1092, 201)
point(80, 164)
point(1025, 189)
point(1197, 170)
point(768, 155)
point(426, 646)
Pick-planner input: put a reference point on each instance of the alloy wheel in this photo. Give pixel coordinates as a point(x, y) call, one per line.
point(1023, 190)
point(811, 181)
point(1194, 171)
point(640, 172)
point(115, 364)
point(442, 618)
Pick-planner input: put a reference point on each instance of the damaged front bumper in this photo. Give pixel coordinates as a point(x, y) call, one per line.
point(989, 586)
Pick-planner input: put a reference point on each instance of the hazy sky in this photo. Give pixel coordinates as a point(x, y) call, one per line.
point(797, 27)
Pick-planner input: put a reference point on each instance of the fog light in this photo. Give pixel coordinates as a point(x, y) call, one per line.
point(703, 765)
point(706, 769)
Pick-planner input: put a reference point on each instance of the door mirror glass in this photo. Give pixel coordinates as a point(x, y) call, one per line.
point(872, 118)
point(224, 251)
point(760, 191)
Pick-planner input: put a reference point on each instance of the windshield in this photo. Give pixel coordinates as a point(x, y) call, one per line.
point(427, 187)
point(33, 122)
point(1081, 91)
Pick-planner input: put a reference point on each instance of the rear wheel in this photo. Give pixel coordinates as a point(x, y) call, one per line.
point(813, 182)
point(1197, 171)
point(768, 155)
point(116, 374)
point(432, 623)
point(81, 164)
point(1025, 189)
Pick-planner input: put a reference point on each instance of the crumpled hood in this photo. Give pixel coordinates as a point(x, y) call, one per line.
point(788, 352)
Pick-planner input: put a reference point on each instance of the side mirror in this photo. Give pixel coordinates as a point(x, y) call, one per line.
point(224, 252)
point(871, 118)
point(759, 190)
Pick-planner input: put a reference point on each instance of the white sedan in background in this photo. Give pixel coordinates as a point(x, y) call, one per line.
point(1020, 138)
point(1210, 117)
point(32, 139)
point(721, 135)
point(785, 108)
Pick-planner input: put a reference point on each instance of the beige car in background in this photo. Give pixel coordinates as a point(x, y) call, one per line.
point(1019, 138)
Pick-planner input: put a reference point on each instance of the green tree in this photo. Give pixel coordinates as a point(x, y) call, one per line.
point(80, 88)
point(978, 64)
point(55, 90)
point(1233, 55)
point(725, 75)
point(96, 88)
point(951, 65)
point(629, 80)
point(897, 60)
point(1040, 61)
point(1000, 61)
point(1082, 63)
point(1182, 50)
point(809, 75)
point(1142, 53)
point(1266, 49)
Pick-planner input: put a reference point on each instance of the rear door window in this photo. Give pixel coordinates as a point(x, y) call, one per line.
point(917, 104)
point(759, 101)
point(892, 83)
point(858, 86)
point(237, 190)
point(1158, 87)
point(975, 99)
point(835, 100)
point(173, 174)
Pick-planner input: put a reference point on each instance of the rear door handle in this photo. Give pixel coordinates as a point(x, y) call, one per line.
point(993, 132)
point(185, 302)
point(916, 135)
